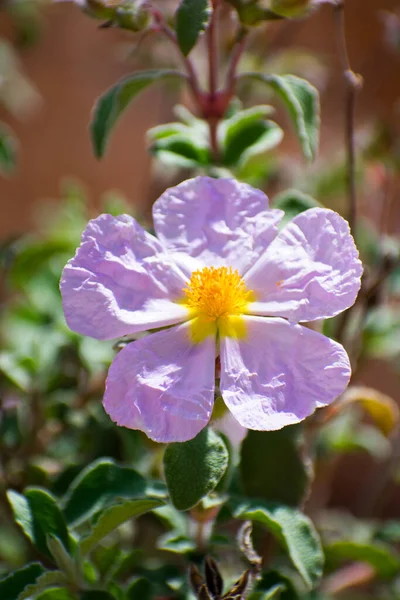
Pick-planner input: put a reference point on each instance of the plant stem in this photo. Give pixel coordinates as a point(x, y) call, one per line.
point(353, 84)
point(164, 28)
point(213, 79)
point(237, 52)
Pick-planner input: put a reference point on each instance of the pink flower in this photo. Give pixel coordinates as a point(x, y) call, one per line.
point(220, 280)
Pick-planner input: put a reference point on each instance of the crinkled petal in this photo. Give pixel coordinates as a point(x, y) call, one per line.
point(310, 271)
point(218, 221)
point(163, 385)
point(120, 281)
point(280, 373)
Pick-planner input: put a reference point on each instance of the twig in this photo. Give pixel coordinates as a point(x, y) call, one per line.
point(213, 78)
point(164, 28)
point(237, 52)
point(353, 85)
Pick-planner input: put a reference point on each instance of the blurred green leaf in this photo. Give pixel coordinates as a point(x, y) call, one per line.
point(38, 515)
point(191, 19)
point(12, 367)
point(272, 466)
point(247, 133)
point(274, 584)
point(194, 468)
point(14, 584)
point(381, 557)
point(294, 531)
point(112, 517)
point(97, 485)
point(179, 544)
point(139, 589)
point(182, 150)
point(8, 151)
point(389, 532)
point(345, 434)
point(56, 594)
point(49, 579)
point(252, 139)
point(96, 595)
point(302, 102)
point(293, 202)
point(63, 560)
point(112, 104)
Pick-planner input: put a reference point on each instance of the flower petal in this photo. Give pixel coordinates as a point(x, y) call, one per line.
point(281, 373)
point(310, 271)
point(120, 281)
point(219, 221)
point(163, 385)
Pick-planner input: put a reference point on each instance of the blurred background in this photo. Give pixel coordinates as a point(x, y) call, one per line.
point(67, 61)
point(54, 62)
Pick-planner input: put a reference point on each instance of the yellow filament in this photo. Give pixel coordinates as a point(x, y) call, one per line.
point(216, 299)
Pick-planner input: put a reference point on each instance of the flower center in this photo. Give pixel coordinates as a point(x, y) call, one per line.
point(216, 297)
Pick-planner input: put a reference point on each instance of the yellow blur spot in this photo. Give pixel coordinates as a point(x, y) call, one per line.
point(217, 298)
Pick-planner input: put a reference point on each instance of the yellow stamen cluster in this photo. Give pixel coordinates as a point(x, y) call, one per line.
point(216, 297)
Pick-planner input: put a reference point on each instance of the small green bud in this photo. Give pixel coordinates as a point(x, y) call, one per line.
point(291, 8)
point(253, 12)
point(134, 17)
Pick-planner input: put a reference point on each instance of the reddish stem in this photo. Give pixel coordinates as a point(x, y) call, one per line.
point(237, 52)
point(213, 81)
point(164, 28)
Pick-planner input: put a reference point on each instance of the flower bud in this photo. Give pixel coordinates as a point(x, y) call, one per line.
point(291, 8)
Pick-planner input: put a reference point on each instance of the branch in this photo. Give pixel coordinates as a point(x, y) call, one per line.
point(353, 84)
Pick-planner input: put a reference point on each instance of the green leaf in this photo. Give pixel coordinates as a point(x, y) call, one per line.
point(97, 485)
point(63, 560)
point(56, 594)
point(139, 589)
point(193, 469)
point(192, 17)
point(8, 150)
point(38, 515)
point(112, 104)
point(114, 516)
point(302, 102)
point(96, 595)
point(272, 466)
point(12, 368)
point(252, 139)
point(293, 202)
point(182, 150)
point(176, 543)
point(381, 557)
point(49, 579)
point(14, 584)
point(294, 531)
point(274, 584)
point(247, 133)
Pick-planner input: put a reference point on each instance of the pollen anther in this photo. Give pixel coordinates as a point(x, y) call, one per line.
point(214, 293)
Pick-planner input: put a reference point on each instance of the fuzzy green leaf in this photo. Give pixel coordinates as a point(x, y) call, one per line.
point(49, 579)
point(113, 102)
point(302, 102)
point(193, 469)
point(384, 559)
point(294, 531)
point(97, 485)
point(272, 466)
point(14, 584)
point(192, 18)
point(114, 516)
point(38, 515)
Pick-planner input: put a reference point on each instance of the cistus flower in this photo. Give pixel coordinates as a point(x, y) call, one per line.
point(220, 280)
